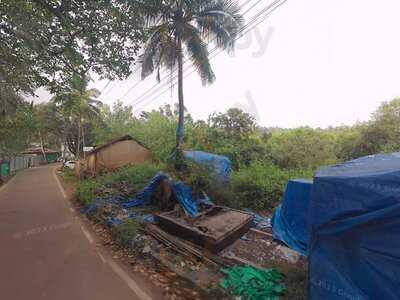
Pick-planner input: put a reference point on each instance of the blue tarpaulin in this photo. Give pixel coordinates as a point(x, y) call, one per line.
point(185, 197)
point(183, 194)
point(145, 196)
point(220, 165)
point(290, 220)
point(354, 251)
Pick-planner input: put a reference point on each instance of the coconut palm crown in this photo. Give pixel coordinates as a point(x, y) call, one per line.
point(183, 28)
point(78, 104)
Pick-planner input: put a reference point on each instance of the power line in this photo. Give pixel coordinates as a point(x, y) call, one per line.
point(103, 89)
point(251, 7)
point(165, 78)
point(135, 85)
point(158, 87)
point(254, 20)
point(115, 84)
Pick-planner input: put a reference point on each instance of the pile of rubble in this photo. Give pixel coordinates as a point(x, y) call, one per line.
point(195, 240)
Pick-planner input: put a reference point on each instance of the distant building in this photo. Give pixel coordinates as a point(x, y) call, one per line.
point(51, 155)
point(118, 153)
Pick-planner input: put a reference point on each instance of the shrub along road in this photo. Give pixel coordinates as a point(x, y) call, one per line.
point(45, 252)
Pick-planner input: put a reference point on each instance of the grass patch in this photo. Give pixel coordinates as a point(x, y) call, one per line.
point(135, 176)
point(68, 175)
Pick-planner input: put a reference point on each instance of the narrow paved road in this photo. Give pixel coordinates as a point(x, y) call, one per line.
point(44, 253)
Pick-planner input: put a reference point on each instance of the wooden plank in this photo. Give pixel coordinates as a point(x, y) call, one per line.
point(256, 231)
point(242, 261)
point(185, 248)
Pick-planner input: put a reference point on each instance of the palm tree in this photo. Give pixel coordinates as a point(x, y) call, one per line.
point(184, 27)
point(78, 105)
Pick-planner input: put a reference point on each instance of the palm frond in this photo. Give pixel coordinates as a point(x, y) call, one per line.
point(197, 22)
point(160, 49)
point(220, 20)
point(152, 47)
point(153, 11)
point(199, 54)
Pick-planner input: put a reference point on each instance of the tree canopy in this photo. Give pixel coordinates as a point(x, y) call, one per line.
point(45, 42)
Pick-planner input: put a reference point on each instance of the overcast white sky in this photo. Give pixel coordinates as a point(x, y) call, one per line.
point(324, 63)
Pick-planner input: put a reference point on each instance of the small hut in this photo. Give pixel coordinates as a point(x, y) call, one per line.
point(118, 153)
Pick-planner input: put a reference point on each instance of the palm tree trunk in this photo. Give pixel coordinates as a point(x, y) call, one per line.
point(180, 131)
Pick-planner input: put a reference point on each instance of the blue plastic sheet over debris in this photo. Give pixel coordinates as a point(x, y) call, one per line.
point(183, 193)
point(290, 220)
point(185, 198)
point(259, 221)
point(354, 251)
point(220, 165)
point(99, 202)
point(145, 196)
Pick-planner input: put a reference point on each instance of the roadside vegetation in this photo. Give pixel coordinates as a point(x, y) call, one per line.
point(263, 159)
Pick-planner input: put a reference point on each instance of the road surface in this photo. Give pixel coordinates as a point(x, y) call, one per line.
point(45, 253)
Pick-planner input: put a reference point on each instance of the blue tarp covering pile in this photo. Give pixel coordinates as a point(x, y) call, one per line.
point(220, 165)
point(290, 220)
point(354, 251)
point(145, 196)
point(182, 192)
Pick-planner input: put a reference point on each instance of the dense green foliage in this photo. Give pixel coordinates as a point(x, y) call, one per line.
point(302, 148)
point(15, 131)
point(262, 186)
point(45, 42)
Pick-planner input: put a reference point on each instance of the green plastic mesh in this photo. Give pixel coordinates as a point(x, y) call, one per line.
point(254, 284)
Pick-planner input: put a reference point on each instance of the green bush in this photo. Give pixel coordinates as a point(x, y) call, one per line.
point(302, 148)
point(136, 176)
point(86, 190)
point(262, 186)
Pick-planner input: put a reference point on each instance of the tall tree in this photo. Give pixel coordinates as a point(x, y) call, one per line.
point(185, 27)
point(45, 42)
point(78, 106)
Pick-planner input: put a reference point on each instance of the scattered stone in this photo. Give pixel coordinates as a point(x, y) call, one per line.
point(288, 254)
point(146, 249)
